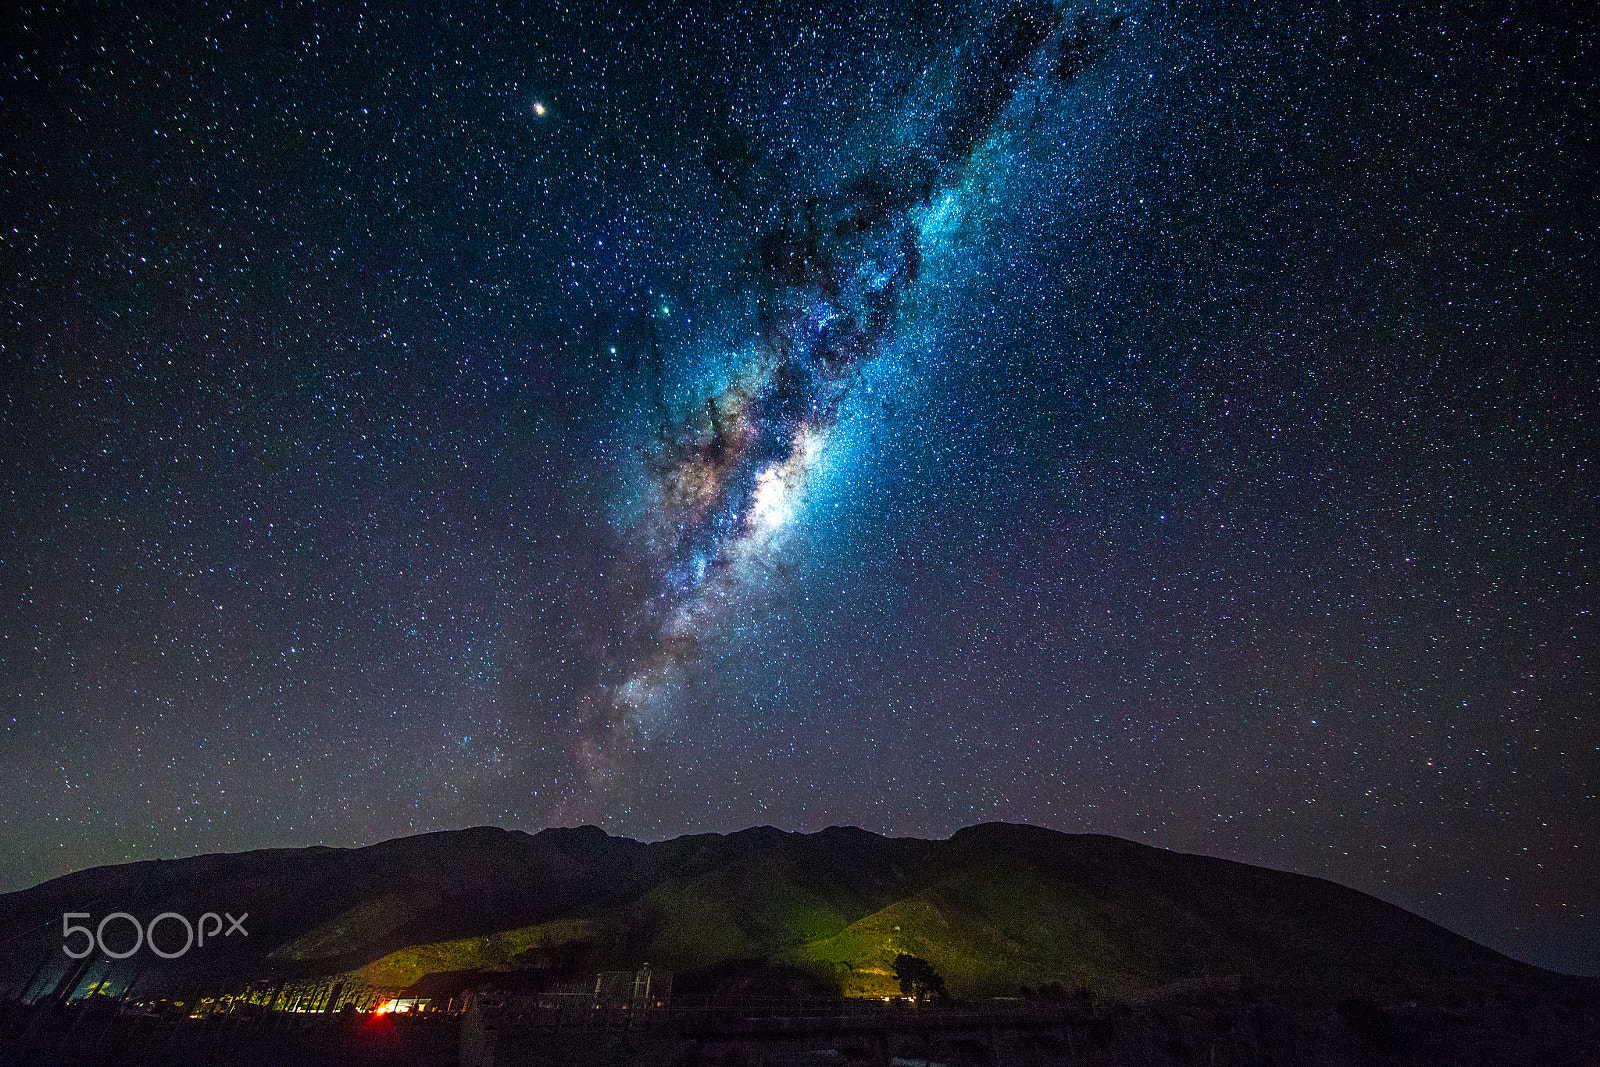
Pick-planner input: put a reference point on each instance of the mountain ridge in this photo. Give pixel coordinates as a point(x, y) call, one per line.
point(996, 907)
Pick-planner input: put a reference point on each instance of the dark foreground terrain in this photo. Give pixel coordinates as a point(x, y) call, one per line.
point(766, 950)
point(1215, 1026)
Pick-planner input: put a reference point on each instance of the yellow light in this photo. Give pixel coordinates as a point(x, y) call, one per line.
point(538, 109)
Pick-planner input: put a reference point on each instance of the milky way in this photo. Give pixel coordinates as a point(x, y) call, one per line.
point(832, 276)
point(1158, 418)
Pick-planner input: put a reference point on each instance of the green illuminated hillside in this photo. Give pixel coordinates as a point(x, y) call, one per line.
point(995, 909)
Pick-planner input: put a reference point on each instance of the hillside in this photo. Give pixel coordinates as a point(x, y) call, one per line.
point(995, 908)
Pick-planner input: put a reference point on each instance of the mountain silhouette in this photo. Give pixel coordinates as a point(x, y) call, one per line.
point(998, 910)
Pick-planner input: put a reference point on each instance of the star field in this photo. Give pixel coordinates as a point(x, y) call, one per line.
point(1164, 421)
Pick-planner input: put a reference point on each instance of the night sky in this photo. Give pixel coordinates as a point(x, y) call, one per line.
point(1172, 421)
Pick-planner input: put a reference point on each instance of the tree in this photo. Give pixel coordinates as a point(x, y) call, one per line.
point(918, 979)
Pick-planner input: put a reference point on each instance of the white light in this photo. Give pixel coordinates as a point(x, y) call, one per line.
point(774, 505)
